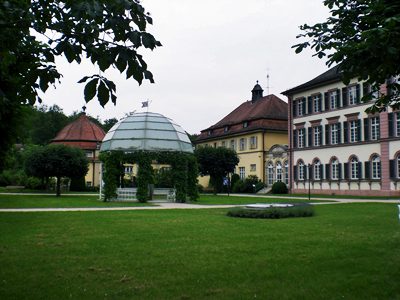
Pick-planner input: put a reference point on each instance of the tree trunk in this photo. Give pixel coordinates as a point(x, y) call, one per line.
point(58, 188)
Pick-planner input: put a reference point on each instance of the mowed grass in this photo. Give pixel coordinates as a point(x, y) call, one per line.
point(224, 199)
point(346, 251)
point(64, 201)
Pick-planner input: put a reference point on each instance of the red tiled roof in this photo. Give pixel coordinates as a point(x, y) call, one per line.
point(266, 113)
point(82, 133)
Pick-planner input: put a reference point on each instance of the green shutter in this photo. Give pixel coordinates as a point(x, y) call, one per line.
point(366, 129)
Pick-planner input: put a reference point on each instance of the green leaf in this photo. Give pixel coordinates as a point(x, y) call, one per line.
point(83, 79)
point(90, 89)
point(103, 94)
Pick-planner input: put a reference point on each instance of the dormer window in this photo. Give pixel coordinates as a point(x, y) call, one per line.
point(245, 124)
point(209, 132)
point(226, 128)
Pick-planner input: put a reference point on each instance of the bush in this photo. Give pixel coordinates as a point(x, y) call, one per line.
point(235, 178)
point(78, 184)
point(34, 183)
point(297, 210)
point(12, 177)
point(239, 186)
point(279, 188)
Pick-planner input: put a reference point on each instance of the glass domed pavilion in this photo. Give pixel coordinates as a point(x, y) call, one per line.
point(143, 138)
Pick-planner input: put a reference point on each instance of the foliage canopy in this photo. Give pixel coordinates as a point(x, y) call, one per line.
point(362, 36)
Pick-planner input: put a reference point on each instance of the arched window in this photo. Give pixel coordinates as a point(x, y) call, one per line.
point(301, 170)
point(398, 166)
point(286, 172)
point(279, 171)
point(270, 173)
point(335, 169)
point(354, 168)
point(376, 167)
point(317, 170)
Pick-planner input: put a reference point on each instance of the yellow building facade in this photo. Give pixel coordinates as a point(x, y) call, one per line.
point(252, 130)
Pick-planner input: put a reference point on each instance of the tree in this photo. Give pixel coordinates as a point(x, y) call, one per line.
point(56, 161)
point(362, 36)
point(108, 123)
point(34, 32)
point(217, 163)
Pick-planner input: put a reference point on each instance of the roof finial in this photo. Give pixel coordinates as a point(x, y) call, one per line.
point(84, 109)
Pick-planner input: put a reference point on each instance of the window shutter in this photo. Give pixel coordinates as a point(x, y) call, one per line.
point(320, 102)
point(310, 106)
point(340, 171)
point(358, 93)
point(337, 98)
point(327, 171)
point(326, 98)
point(304, 105)
point(311, 172)
point(344, 96)
point(339, 133)
point(295, 138)
point(392, 164)
point(367, 168)
point(310, 140)
point(306, 172)
point(359, 130)
point(366, 88)
point(359, 167)
point(326, 134)
point(295, 175)
point(294, 108)
point(345, 132)
point(321, 172)
point(346, 170)
point(391, 124)
point(366, 129)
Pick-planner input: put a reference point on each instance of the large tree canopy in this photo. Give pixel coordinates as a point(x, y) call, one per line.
point(363, 36)
point(56, 161)
point(33, 33)
point(217, 163)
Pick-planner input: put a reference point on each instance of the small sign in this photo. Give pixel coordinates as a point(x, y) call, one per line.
point(226, 181)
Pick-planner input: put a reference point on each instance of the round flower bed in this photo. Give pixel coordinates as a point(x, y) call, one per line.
point(272, 211)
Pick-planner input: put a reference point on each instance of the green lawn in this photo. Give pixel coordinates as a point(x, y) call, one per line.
point(346, 251)
point(45, 201)
point(222, 199)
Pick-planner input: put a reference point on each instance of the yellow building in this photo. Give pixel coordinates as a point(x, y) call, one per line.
point(252, 129)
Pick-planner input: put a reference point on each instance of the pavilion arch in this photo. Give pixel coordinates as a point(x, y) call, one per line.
point(144, 139)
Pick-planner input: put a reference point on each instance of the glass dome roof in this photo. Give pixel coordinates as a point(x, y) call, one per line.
point(146, 131)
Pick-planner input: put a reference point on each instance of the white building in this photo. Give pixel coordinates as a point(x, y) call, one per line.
point(335, 147)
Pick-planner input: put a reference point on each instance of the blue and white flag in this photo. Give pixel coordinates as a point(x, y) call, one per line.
point(145, 104)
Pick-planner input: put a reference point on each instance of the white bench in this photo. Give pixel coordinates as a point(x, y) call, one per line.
point(129, 194)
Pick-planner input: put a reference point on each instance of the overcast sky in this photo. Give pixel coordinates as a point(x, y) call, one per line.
point(213, 52)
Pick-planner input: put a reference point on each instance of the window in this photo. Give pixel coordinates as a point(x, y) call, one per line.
point(353, 131)
point(128, 169)
point(270, 173)
point(317, 103)
point(376, 167)
point(398, 166)
point(226, 128)
point(354, 168)
point(278, 171)
point(317, 170)
point(301, 170)
point(242, 144)
point(286, 172)
point(300, 107)
point(223, 144)
point(245, 124)
point(89, 153)
point(335, 169)
point(233, 144)
point(317, 136)
point(374, 128)
point(209, 132)
point(242, 173)
point(300, 144)
point(333, 97)
point(253, 142)
point(253, 167)
point(398, 124)
point(215, 145)
point(334, 134)
point(88, 183)
point(352, 95)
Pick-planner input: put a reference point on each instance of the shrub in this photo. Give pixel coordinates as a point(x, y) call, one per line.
point(34, 183)
point(235, 178)
point(239, 186)
point(297, 210)
point(279, 188)
point(78, 184)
